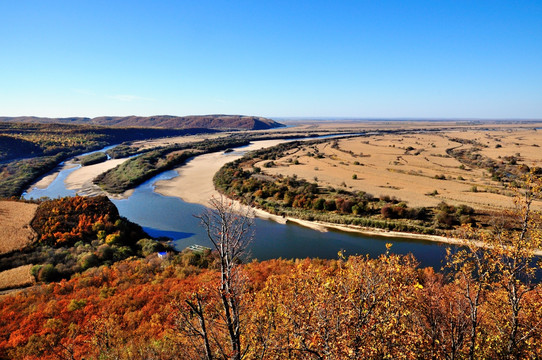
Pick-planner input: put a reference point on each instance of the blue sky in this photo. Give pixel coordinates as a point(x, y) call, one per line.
point(368, 59)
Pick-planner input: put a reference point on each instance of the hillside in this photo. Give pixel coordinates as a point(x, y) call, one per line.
point(235, 122)
point(353, 308)
point(65, 236)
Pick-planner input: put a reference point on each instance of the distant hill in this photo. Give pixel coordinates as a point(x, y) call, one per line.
point(223, 122)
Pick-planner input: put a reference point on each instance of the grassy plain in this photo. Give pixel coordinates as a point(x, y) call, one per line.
point(15, 230)
point(16, 278)
point(417, 167)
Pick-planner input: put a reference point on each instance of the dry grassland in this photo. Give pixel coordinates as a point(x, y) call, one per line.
point(16, 278)
point(15, 230)
point(415, 168)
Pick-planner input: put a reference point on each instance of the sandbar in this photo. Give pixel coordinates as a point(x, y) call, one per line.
point(195, 181)
point(81, 179)
point(45, 181)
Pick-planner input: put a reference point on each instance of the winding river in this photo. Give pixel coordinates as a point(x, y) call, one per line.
point(172, 217)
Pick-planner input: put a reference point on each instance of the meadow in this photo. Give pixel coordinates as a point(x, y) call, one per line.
point(422, 169)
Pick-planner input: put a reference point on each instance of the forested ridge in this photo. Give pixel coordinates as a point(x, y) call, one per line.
point(219, 121)
point(77, 233)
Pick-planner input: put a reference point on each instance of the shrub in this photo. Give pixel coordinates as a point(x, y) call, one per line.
point(88, 260)
point(106, 252)
point(34, 271)
point(444, 219)
point(76, 304)
point(318, 204)
point(48, 273)
point(466, 219)
point(149, 246)
point(330, 205)
point(387, 212)
point(113, 239)
point(419, 213)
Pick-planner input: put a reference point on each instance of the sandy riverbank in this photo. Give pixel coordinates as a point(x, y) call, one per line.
point(45, 181)
point(195, 185)
point(195, 181)
point(81, 179)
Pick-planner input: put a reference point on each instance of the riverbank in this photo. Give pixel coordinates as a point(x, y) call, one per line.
point(47, 180)
point(195, 181)
point(81, 179)
point(195, 185)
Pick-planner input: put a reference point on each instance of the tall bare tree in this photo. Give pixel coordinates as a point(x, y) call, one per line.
point(230, 229)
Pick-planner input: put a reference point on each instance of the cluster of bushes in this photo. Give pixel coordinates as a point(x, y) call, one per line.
point(124, 150)
point(92, 159)
point(448, 215)
point(78, 233)
point(64, 221)
point(506, 170)
point(402, 211)
point(290, 196)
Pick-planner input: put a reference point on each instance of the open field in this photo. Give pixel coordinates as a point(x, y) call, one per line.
point(16, 278)
point(417, 168)
point(378, 125)
point(15, 230)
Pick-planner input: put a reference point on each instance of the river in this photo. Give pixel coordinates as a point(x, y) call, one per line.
point(172, 217)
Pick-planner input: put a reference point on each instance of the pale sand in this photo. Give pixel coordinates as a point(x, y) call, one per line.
point(81, 179)
point(195, 181)
point(45, 181)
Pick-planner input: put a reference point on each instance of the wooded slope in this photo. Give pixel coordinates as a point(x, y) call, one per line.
point(237, 122)
point(305, 309)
